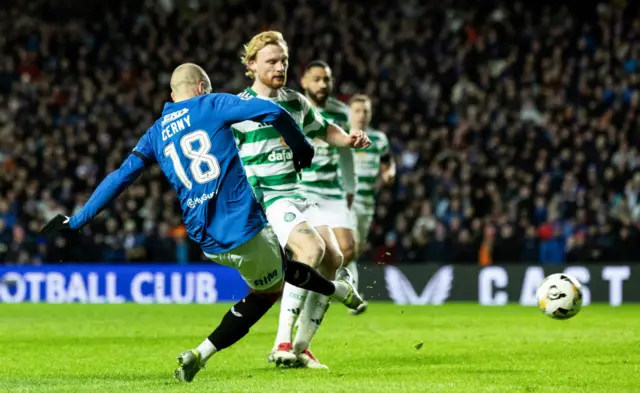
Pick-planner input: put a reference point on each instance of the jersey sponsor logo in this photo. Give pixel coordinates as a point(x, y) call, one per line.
point(322, 151)
point(288, 217)
point(280, 156)
point(174, 115)
point(193, 202)
point(244, 95)
point(266, 279)
point(234, 312)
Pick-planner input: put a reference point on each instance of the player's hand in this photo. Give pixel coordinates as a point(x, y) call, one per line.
point(59, 223)
point(359, 139)
point(302, 156)
point(388, 177)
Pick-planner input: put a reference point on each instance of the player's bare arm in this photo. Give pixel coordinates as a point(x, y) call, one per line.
point(337, 137)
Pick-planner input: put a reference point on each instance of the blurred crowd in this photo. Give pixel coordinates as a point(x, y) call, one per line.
point(514, 125)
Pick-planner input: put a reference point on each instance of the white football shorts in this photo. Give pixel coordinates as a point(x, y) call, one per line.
point(284, 214)
point(259, 261)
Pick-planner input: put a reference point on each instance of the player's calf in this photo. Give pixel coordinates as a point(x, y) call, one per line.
point(347, 242)
point(333, 258)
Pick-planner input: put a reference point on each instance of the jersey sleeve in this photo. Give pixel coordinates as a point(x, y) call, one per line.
point(234, 109)
point(313, 124)
point(144, 148)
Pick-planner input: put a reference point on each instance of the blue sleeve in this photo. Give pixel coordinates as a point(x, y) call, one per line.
point(144, 148)
point(234, 109)
point(110, 188)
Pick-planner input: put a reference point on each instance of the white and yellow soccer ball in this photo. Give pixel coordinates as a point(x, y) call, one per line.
point(560, 296)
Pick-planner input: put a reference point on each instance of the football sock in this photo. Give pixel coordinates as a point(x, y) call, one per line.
point(306, 277)
point(352, 267)
point(206, 350)
point(312, 315)
point(291, 304)
point(237, 322)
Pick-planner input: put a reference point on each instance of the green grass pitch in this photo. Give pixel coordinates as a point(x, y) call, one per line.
point(465, 348)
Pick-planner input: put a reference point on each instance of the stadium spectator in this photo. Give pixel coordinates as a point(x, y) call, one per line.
point(514, 126)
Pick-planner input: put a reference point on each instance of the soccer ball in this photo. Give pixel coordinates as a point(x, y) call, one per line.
point(560, 296)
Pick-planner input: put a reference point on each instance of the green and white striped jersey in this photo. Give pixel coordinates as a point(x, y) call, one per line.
point(367, 166)
point(323, 179)
point(267, 159)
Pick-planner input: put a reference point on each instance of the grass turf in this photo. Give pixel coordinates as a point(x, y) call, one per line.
point(465, 348)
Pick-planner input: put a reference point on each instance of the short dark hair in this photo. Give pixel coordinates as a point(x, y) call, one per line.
point(316, 63)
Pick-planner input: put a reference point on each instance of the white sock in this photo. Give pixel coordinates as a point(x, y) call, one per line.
point(290, 308)
point(313, 312)
point(206, 350)
point(352, 267)
point(342, 290)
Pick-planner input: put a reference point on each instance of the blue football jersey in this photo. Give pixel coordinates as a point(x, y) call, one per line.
point(195, 147)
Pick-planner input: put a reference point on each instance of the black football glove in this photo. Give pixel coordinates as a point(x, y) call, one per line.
point(303, 156)
point(59, 223)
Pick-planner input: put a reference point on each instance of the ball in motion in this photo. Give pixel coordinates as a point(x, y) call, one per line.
point(560, 296)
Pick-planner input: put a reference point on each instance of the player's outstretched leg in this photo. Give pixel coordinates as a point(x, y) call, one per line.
point(234, 325)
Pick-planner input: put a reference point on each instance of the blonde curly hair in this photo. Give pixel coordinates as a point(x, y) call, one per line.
point(258, 42)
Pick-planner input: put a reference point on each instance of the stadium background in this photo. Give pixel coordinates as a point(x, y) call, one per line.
point(514, 126)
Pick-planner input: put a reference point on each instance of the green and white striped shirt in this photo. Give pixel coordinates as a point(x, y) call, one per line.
point(367, 166)
point(267, 159)
point(323, 179)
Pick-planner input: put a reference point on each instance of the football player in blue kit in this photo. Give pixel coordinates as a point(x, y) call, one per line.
point(195, 147)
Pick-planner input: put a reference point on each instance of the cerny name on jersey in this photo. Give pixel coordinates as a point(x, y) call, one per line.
point(176, 126)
